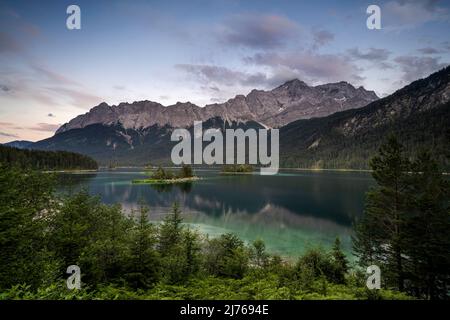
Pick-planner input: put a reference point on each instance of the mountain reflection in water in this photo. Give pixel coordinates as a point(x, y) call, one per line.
point(290, 211)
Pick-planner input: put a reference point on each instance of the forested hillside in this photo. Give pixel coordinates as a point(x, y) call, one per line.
point(45, 160)
point(318, 143)
point(417, 114)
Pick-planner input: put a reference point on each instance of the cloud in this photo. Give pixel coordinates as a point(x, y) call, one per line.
point(77, 97)
point(4, 88)
point(154, 19)
point(8, 44)
point(428, 50)
point(222, 75)
point(407, 14)
point(64, 87)
point(321, 38)
point(414, 67)
point(258, 31)
point(11, 13)
point(31, 30)
point(372, 54)
point(40, 83)
point(377, 56)
point(16, 21)
point(51, 115)
point(315, 68)
point(9, 125)
point(52, 76)
point(446, 45)
point(10, 135)
point(48, 127)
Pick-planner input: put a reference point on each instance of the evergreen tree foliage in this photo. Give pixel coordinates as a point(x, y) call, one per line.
point(25, 206)
point(340, 262)
point(143, 265)
point(45, 160)
point(405, 226)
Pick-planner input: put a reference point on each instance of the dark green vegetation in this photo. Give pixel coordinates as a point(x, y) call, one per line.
point(237, 168)
point(405, 229)
point(130, 258)
point(21, 144)
point(45, 160)
point(161, 175)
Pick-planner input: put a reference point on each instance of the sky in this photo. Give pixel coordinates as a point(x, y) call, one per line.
point(202, 51)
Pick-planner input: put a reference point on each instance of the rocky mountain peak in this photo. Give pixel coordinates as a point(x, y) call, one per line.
point(294, 83)
point(292, 87)
point(291, 101)
point(100, 106)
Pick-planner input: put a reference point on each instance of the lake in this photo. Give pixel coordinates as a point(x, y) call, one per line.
point(290, 211)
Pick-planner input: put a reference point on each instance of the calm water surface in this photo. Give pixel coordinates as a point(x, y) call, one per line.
point(290, 211)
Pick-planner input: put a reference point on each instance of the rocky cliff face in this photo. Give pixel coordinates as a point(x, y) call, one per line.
point(289, 102)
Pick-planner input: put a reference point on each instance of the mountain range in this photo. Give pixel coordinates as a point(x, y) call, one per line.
point(291, 101)
point(20, 144)
point(327, 126)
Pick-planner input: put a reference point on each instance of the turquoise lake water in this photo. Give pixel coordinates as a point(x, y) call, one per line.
point(290, 211)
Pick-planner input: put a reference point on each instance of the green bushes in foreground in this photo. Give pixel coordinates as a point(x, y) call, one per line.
point(251, 287)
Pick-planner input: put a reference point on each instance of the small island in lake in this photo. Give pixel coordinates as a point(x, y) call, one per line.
point(166, 176)
point(237, 169)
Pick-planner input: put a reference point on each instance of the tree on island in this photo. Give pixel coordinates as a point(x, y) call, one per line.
point(164, 174)
point(237, 168)
point(186, 171)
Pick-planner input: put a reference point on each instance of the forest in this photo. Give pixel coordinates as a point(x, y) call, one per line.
point(46, 160)
point(428, 129)
point(122, 255)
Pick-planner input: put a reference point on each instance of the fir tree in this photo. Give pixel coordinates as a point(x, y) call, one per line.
point(143, 263)
point(340, 262)
point(380, 235)
point(428, 229)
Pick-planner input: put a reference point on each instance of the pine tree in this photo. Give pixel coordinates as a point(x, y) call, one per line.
point(380, 235)
point(428, 229)
point(191, 248)
point(143, 263)
point(340, 262)
point(170, 231)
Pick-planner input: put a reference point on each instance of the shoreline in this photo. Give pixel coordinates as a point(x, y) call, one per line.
point(102, 169)
point(71, 171)
point(236, 173)
point(164, 181)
